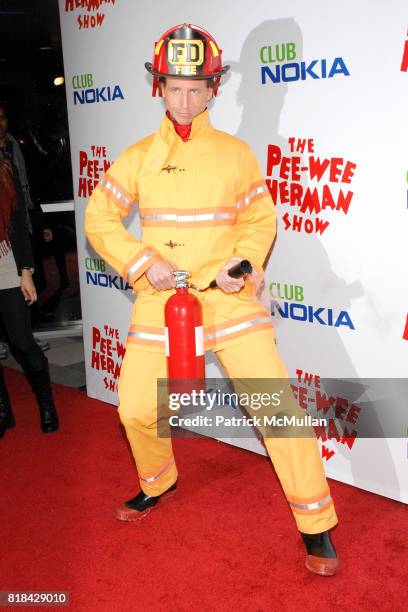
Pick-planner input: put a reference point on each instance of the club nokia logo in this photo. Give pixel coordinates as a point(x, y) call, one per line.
point(281, 63)
point(293, 308)
point(85, 91)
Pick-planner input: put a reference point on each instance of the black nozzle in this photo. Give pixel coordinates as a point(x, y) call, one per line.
point(242, 268)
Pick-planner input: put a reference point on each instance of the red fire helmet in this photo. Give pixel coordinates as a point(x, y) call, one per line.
point(186, 51)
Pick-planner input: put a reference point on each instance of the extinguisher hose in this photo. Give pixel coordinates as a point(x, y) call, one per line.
point(242, 268)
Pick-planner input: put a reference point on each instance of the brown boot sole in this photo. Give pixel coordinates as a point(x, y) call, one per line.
point(322, 566)
point(123, 513)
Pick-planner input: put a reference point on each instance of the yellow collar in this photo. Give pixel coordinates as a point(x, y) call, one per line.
point(165, 137)
point(200, 124)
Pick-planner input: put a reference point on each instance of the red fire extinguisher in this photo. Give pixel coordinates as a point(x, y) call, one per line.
point(184, 332)
point(184, 338)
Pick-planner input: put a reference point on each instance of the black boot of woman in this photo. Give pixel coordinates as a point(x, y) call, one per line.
point(41, 386)
point(7, 420)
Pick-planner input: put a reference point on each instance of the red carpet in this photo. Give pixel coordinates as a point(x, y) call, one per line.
point(226, 541)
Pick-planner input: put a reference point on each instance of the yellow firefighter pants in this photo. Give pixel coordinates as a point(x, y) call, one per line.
point(296, 460)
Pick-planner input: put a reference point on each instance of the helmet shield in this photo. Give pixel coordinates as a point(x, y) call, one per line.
point(186, 51)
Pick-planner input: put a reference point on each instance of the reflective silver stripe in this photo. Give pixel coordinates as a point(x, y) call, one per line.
point(147, 336)
point(252, 194)
point(187, 218)
point(156, 476)
point(313, 506)
point(139, 263)
point(238, 327)
point(118, 195)
point(217, 334)
point(166, 341)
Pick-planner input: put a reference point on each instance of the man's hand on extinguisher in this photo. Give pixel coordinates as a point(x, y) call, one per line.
point(160, 275)
point(234, 285)
point(227, 283)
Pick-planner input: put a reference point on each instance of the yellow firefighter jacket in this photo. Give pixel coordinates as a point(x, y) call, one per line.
point(201, 202)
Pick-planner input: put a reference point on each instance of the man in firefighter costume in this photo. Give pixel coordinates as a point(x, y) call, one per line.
point(203, 207)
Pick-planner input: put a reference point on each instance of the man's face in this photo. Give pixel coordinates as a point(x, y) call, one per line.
point(185, 98)
point(3, 123)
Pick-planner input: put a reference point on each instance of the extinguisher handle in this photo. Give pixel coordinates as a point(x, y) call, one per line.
point(242, 268)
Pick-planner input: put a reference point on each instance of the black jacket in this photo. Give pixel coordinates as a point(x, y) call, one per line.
point(18, 233)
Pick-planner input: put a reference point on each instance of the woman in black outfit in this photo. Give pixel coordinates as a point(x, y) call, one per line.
point(17, 288)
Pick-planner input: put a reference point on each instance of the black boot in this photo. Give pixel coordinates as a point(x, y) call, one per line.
point(7, 420)
point(139, 506)
point(41, 385)
point(321, 554)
